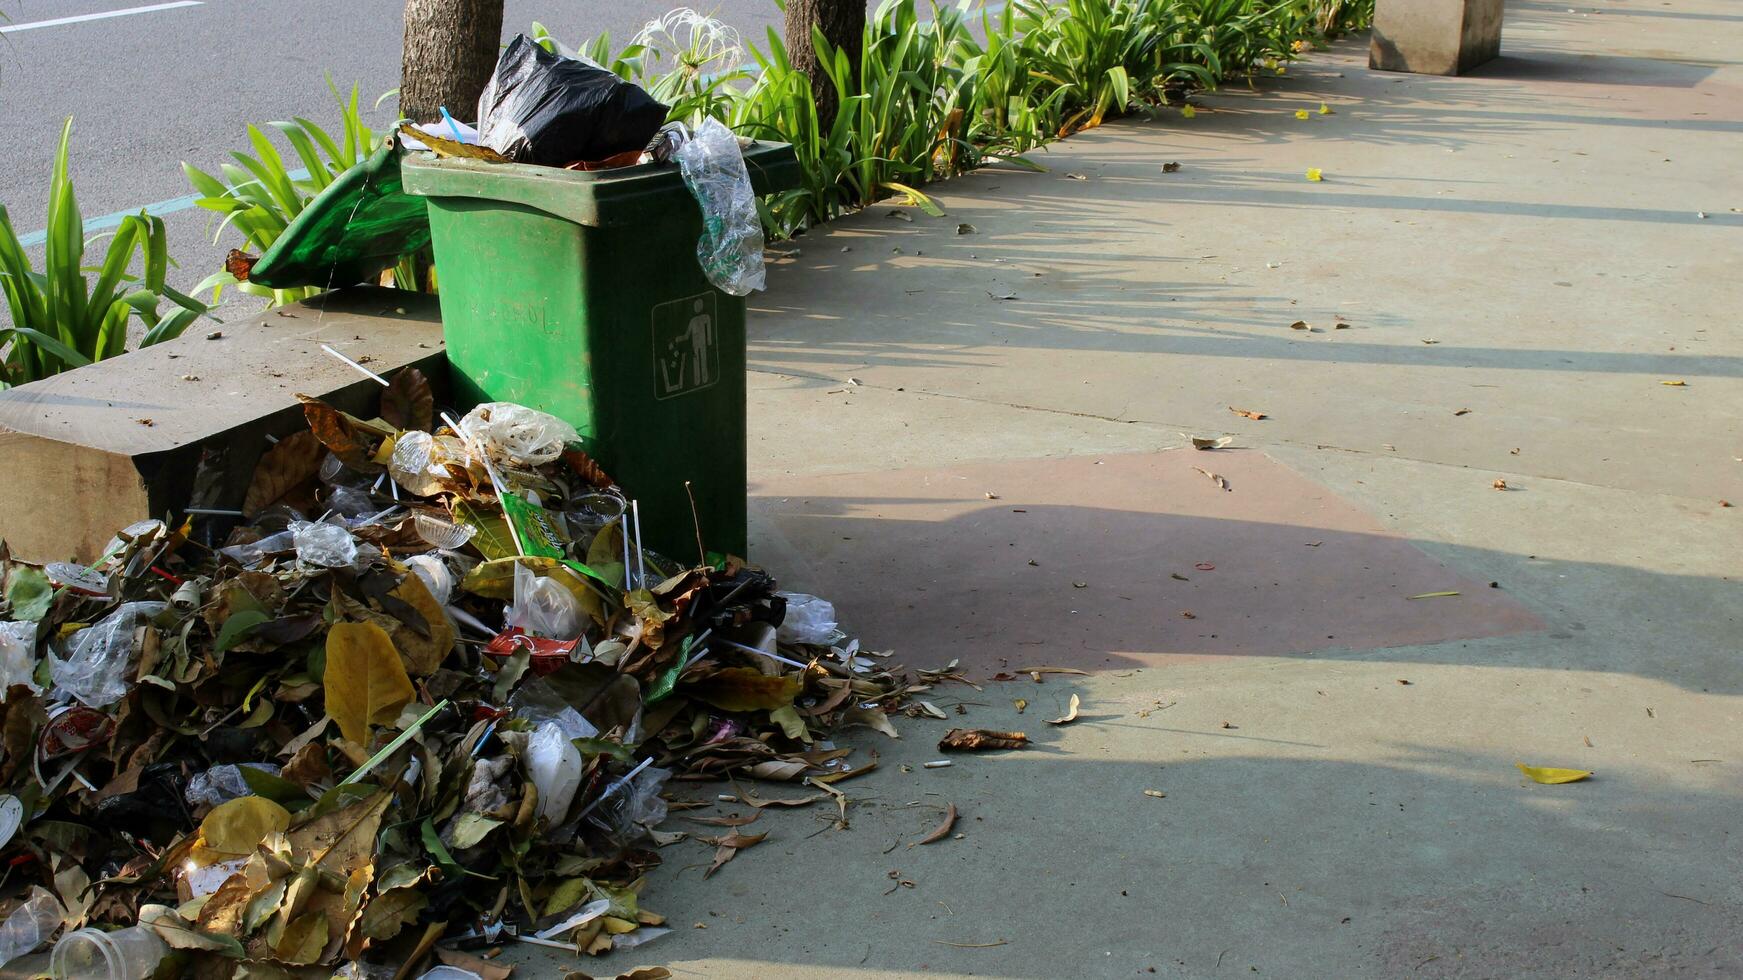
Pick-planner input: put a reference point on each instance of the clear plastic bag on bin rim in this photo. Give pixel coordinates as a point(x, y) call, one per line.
point(731, 247)
point(517, 434)
point(100, 656)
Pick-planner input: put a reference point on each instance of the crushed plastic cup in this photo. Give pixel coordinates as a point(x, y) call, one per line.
point(325, 545)
point(443, 534)
point(436, 576)
point(92, 954)
point(419, 462)
point(629, 807)
point(100, 657)
point(18, 656)
point(77, 578)
point(810, 620)
point(30, 924)
point(518, 435)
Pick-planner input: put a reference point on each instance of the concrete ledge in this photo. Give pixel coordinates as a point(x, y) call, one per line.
point(1434, 37)
point(92, 450)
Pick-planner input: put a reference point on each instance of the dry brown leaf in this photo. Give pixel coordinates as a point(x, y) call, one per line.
point(1158, 794)
point(759, 803)
point(1052, 670)
point(980, 740)
point(1207, 442)
point(1300, 325)
point(1463, 411)
point(1070, 713)
point(1499, 484)
point(943, 829)
point(1247, 413)
point(351, 439)
point(406, 402)
point(870, 718)
point(1221, 483)
point(744, 689)
point(286, 474)
point(365, 681)
point(1020, 704)
point(727, 848)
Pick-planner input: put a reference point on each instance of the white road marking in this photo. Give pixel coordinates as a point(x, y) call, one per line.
point(100, 15)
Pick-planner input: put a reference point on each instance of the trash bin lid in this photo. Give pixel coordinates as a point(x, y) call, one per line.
point(363, 223)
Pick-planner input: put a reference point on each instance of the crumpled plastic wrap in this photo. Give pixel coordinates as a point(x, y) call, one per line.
point(221, 784)
point(629, 811)
point(809, 620)
point(100, 656)
point(544, 607)
point(731, 247)
point(327, 545)
point(518, 435)
point(18, 656)
point(554, 765)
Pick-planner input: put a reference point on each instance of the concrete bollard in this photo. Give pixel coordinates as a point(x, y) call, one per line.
point(1434, 37)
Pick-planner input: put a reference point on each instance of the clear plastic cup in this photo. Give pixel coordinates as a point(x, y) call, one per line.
point(92, 954)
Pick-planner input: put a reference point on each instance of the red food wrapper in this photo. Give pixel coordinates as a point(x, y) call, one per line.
point(547, 654)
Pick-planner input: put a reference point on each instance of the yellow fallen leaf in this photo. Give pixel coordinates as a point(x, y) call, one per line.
point(1432, 595)
point(1550, 775)
point(365, 681)
point(1324, 109)
point(1301, 113)
point(1188, 111)
point(234, 829)
point(1315, 174)
point(1070, 713)
point(1675, 384)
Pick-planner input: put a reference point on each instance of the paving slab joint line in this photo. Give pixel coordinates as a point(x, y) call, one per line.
point(978, 401)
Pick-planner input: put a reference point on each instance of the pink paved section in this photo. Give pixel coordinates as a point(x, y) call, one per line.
point(1104, 563)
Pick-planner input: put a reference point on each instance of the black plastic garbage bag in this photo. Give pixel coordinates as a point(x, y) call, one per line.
point(544, 108)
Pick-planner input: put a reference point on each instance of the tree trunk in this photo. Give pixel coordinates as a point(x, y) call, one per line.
point(451, 47)
point(843, 26)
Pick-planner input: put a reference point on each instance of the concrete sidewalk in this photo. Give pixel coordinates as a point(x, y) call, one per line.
point(972, 442)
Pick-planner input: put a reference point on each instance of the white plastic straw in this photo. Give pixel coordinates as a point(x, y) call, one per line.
point(495, 479)
point(212, 510)
point(764, 653)
point(641, 568)
point(614, 787)
point(365, 371)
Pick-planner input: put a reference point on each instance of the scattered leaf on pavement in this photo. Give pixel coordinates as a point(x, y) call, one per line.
point(1070, 713)
point(1550, 775)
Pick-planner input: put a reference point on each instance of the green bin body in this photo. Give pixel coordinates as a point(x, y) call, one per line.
point(579, 294)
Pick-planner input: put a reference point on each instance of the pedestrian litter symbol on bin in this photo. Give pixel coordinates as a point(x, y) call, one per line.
point(686, 346)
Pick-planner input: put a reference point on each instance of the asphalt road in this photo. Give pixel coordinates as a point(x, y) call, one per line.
point(154, 87)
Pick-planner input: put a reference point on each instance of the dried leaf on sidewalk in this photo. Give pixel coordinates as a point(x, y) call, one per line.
point(1551, 776)
point(1247, 413)
point(980, 740)
point(728, 846)
point(1020, 704)
point(1499, 484)
point(1301, 325)
point(1036, 673)
point(1171, 167)
point(1208, 442)
point(1216, 478)
point(1070, 713)
point(1431, 595)
point(1158, 794)
point(1675, 384)
point(943, 829)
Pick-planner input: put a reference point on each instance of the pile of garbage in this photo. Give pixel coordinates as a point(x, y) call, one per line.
point(429, 696)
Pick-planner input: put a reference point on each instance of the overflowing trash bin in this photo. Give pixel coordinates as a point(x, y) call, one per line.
point(579, 293)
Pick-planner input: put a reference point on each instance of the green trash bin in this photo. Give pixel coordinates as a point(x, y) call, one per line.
point(579, 294)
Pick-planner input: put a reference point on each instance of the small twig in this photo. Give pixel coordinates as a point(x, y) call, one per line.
point(1002, 942)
